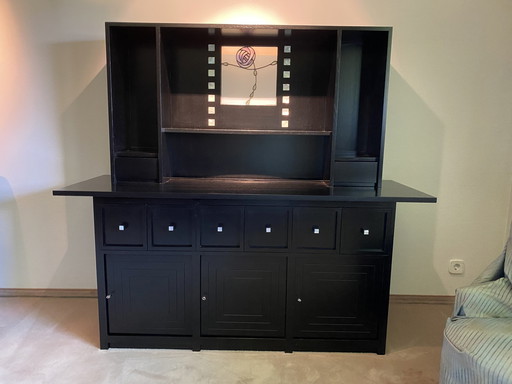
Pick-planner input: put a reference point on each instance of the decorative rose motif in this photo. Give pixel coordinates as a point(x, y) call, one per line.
point(245, 57)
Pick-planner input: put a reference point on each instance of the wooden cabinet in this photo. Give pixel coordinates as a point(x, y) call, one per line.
point(245, 207)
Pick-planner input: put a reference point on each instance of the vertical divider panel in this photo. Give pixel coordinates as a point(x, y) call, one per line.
point(159, 96)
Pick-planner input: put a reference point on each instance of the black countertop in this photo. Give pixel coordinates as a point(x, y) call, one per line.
point(102, 186)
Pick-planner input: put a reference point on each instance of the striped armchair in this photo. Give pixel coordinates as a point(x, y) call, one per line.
point(477, 345)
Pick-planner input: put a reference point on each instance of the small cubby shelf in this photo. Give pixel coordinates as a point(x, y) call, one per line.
point(263, 102)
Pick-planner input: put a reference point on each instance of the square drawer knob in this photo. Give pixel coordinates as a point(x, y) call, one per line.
point(316, 230)
point(122, 227)
point(220, 228)
point(170, 228)
point(365, 232)
point(268, 229)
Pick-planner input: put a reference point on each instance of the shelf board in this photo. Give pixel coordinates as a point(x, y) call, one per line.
point(356, 159)
point(135, 153)
point(233, 131)
point(307, 190)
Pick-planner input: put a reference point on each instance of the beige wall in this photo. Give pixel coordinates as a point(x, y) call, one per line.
point(449, 130)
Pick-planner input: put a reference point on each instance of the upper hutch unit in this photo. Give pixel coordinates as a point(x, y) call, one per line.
point(247, 102)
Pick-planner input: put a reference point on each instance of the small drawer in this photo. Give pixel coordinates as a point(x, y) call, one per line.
point(221, 227)
point(172, 226)
point(315, 228)
point(355, 173)
point(136, 168)
point(123, 225)
point(365, 230)
point(266, 228)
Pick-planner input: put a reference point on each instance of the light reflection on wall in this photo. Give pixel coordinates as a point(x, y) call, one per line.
point(246, 14)
point(12, 79)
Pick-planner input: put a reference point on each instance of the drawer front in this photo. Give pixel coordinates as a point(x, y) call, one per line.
point(266, 227)
point(315, 228)
point(355, 173)
point(221, 227)
point(172, 226)
point(123, 225)
point(136, 168)
point(366, 230)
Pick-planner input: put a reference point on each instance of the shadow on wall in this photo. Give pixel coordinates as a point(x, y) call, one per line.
point(77, 267)
point(12, 252)
point(81, 92)
point(414, 156)
point(81, 87)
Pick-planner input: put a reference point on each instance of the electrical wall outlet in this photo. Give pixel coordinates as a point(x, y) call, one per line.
point(457, 267)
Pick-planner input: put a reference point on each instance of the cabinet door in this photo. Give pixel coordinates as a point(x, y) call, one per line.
point(337, 297)
point(149, 294)
point(172, 226)
point(243, 295)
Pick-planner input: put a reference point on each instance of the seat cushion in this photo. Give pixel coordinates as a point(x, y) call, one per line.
point(491, 299)
point(477, 351)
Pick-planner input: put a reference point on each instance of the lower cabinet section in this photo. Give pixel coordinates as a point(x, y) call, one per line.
point(213, 276)
point(245, 301)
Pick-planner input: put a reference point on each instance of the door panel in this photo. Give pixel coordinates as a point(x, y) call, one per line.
point(149, 294)
point(243, 295)
point(336, 297)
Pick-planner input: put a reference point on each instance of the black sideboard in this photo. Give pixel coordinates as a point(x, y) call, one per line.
point(245, 208)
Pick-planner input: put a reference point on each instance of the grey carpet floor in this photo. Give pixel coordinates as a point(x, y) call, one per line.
point(55, 340)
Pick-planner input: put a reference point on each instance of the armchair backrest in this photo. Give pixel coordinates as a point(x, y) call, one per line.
point(507, 266)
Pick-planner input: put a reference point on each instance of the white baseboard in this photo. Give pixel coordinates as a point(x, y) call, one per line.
point(92, 293)
point(421, 299)
point(28, 292)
